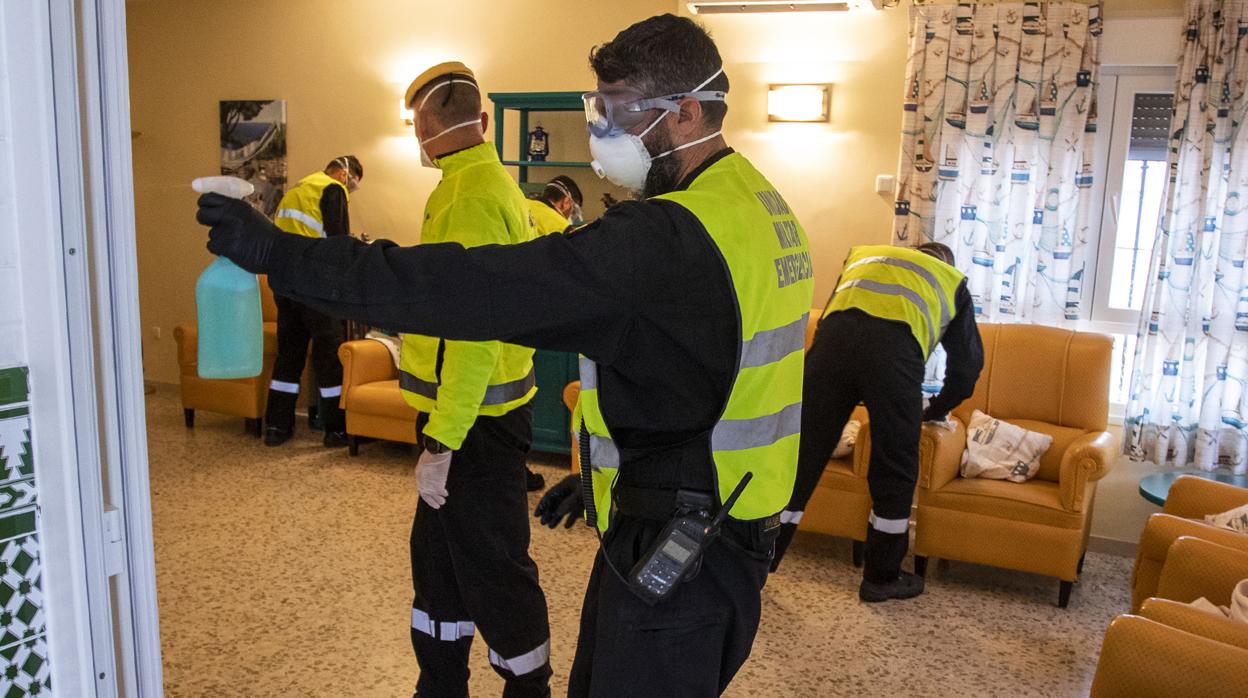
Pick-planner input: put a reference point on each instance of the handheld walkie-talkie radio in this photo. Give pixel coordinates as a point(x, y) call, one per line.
point(678, 551)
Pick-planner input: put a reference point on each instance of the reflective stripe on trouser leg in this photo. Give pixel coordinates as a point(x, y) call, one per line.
point(526, 663)
point(448, 631)
point(284, 387)
point(893, 526)
point(334, 391)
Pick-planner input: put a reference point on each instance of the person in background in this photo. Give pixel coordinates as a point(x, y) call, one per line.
point(558, 207)
point(317, 207)
point(689, 306)
point(891, 306)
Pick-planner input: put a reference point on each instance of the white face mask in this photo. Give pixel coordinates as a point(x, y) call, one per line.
point(425, 160)
point(353, 184)
point(622, 158)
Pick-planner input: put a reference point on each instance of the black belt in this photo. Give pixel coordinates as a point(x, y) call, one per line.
point(663, 504)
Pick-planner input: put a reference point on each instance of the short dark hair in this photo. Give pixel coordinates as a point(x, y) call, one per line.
point(664, 55)
point(939, 250)
point(353, 165)
point(455, 103)
point(553, 193)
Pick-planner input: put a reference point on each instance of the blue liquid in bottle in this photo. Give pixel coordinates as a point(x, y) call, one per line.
point(231, 324)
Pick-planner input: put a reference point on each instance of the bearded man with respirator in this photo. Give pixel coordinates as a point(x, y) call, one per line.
point(689, 307)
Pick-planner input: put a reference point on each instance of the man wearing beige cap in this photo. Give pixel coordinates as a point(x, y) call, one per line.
point(470, 561)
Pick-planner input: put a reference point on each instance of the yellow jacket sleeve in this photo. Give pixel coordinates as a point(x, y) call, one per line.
point(466, 371)
point(466, 366)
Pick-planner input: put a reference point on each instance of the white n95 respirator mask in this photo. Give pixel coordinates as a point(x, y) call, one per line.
point(622, 157)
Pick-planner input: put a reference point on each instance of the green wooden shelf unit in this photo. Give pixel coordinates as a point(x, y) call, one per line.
point(554, 369)
point(525, 103)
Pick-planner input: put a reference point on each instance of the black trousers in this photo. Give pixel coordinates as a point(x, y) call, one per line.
point(690, 645)
point(471, 568)
point(859, 358)
point(298, 324)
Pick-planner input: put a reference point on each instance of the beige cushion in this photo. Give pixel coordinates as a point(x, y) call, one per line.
point(1236, 519)
point(998, 450)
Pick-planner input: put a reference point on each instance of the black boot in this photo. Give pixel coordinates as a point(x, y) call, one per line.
point(334, 421)
point(882, 578)
point(276, 436)
point(279, 417)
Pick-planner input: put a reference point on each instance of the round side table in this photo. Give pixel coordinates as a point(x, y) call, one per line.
point(1155, 487)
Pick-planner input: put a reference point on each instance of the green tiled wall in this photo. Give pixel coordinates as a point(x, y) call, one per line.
point(23, 645)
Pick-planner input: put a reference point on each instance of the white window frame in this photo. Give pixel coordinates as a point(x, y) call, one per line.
point(65, 65)
point(1118, 86)
point(1118, 89)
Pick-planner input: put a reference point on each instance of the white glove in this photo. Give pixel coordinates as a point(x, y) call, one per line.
point(431, 470)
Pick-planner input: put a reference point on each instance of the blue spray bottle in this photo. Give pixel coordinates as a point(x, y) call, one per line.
point(227, 300)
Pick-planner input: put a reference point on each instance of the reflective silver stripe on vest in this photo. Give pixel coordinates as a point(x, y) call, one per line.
point(506, 392)
point(946, 316)
point(448, 631)
point(530, 661)
point(740, 434)
point(589, 373)
point(421, 387)
point(499, 394)
point(770, 346)
point(296, 214)
point(603, 453)
point(897, 290)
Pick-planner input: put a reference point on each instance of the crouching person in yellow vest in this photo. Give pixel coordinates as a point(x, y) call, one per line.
point(557, 207)
point(314, 208)
point(890, 309)
point(469, 547)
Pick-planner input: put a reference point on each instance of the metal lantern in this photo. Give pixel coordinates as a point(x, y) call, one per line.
point(539, 144)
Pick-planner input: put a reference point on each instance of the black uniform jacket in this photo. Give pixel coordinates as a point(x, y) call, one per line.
point(964, 354)
point(643, 291)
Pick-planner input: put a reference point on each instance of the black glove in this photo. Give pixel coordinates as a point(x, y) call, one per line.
point(238, 231)
point(930, 416)
point(562, 499)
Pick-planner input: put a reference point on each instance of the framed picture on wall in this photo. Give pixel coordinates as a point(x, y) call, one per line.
point(253, 147)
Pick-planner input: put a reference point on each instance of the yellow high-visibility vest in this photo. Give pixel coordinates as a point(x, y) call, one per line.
point(546, 220)
point(300, 209)
point(768, 262)
point(902, 284)
point(476, 203)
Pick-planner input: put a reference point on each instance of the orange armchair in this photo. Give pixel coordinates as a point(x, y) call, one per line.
point(1169, 648)
point(1189, 500)
point(1047, 380)
point(242, 397)
point(371, 399)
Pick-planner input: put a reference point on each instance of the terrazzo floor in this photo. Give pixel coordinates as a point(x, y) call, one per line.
point(283, 572)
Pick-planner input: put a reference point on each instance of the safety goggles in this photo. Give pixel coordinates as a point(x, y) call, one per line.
point(607, 114)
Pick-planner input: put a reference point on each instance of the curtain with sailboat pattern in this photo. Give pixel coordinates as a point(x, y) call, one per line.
point(997, 148)
point(1188, 405)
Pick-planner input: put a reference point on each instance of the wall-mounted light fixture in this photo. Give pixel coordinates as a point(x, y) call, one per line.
point(404, 113)
point(799, 103)
point(720, 7)
point(753, 6)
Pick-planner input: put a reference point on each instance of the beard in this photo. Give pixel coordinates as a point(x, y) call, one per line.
point(664, 173)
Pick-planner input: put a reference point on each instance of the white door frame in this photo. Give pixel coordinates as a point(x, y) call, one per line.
point(66, 64)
